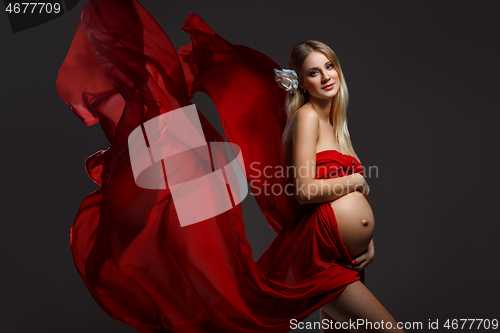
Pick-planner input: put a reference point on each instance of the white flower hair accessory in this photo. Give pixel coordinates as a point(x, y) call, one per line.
point(287, 79)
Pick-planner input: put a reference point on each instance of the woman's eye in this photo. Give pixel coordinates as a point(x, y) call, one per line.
point(312, 73)
point(330, 66)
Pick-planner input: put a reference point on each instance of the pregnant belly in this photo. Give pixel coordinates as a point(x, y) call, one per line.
point(355, 221)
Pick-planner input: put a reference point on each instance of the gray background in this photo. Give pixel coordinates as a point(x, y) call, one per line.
point(423, 79)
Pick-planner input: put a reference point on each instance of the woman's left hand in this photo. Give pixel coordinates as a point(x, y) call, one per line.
point(363, 260)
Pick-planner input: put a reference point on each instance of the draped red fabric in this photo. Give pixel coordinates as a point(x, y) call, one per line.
point(136, 260)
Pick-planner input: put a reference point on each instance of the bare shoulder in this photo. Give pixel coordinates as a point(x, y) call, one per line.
point(307, 117)
point(304, 124)
point(306, 111)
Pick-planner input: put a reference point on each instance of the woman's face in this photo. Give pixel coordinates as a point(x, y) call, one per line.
point(319, 76)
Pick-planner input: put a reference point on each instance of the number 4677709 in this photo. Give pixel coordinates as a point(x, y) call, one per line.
point(474, 324)
point(33, 8)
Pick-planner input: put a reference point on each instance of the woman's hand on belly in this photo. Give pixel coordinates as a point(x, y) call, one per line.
point(363, 260)
point(363, 187)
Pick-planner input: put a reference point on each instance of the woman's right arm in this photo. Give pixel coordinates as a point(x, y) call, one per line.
point(307, 188)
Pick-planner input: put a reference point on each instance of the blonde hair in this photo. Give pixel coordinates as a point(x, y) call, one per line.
point(295, 101)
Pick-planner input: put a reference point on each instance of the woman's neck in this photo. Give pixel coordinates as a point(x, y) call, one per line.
point(322, 106)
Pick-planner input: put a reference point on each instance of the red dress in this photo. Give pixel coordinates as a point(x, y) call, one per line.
point(136, 260)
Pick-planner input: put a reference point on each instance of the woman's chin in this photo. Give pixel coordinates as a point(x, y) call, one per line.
point(325, 94)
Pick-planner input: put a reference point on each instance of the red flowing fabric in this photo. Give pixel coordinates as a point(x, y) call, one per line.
point(136, 260)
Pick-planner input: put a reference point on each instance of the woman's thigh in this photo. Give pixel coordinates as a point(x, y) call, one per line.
point(357, 302)
point(331, 322)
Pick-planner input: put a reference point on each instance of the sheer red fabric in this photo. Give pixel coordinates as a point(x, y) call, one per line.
point(136, 260)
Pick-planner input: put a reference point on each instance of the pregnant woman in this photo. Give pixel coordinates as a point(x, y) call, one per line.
point(144, 268)
point(318, 146)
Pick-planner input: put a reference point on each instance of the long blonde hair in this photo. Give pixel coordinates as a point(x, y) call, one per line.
point(338, 117)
